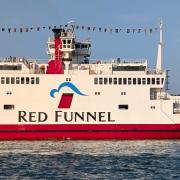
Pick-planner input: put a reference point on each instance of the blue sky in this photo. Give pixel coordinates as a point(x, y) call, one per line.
point(100, 13)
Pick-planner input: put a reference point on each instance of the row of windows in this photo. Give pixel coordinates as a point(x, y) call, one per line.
point(19, 80)
point(129, 81)
point(11, 67)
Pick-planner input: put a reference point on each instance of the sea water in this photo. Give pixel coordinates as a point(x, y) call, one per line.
point(145, 159)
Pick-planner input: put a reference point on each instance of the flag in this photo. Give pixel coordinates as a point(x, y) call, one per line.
point(116, 30)
point(9, 30)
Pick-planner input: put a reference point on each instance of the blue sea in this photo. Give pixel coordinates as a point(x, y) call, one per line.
point(145, 159)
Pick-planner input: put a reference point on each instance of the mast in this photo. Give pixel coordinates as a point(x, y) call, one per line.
point(160, 45)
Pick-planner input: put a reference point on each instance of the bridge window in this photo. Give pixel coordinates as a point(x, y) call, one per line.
point(148, 81)
point(110, 80)
point(162, 80)
point(124, 81)
point(17, 80)
point(115, 80)
point(129, 80)
point(22, 80)
point(134, 80)
point(12, 80)
point(27, 80)
point(139, 81)
point(95, 80)
point(105, 80)
point(7, 80)
point(143, 80)
point(119, 80)
point(153, 80)
point(157, 81)
point(100, 80)
point(2, 80)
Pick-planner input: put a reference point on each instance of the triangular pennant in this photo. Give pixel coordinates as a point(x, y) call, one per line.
point(94, 28)
point(21, 29)
point(139, 30)
point(128, 30)
point(100, 29)
point(116, 30)
point(9, 30)
point(14, 29)
point(3, 29)
point(49, 27)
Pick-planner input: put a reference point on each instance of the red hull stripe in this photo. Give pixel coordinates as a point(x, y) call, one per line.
point(90, 131)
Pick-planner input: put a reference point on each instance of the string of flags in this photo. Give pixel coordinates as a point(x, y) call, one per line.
point(80, 27)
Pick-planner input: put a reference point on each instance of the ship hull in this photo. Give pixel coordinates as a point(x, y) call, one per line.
point(89, 131)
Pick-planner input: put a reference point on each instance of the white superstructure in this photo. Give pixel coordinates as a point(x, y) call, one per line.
point(116, 92)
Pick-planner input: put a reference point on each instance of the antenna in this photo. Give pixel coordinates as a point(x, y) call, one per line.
point(160, 45)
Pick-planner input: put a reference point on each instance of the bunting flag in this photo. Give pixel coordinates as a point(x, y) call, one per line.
point(81, 27)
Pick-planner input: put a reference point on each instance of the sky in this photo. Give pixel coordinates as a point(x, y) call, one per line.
point(98, 13)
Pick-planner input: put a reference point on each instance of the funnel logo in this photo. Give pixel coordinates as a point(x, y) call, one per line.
point(66, 98)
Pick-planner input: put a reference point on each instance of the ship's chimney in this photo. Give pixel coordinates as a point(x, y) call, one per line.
point(160, 45)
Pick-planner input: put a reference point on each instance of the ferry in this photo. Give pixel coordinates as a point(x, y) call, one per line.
point(71, 97)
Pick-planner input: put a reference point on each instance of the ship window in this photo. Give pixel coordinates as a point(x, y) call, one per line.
point(64, 41)
point(162, 80)
point(110, 80)
point(17, 80)
point(22, 80)
point(95, 80)
point(123, 106)
point(129, 80)
point(12, 80)
point(143, 80)
point(37, 80)
point(27, 80)
point(77, 46)
point(8, 106)
point(134, 80)
point(119, 80)
point(10, 67)
point(115, 80)
point(153, 94)
point(69, 41)
point(124, 81)
point(100, 80)
point(139, 81)
point(148, 81)
point(7, 80)
point(157, 81)
point(153, 80)
point(105, 80)
point(32, 80)
point(2, 80)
